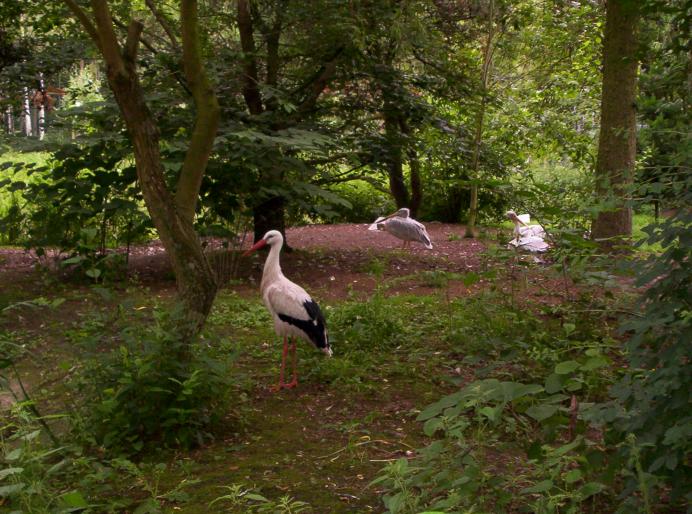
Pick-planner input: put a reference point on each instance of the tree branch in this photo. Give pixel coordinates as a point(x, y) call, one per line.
point(251, 93)
point(206, 120)
point(319, 81)
point(85, 21)
point(164, 24)
point(110, 48)
point(132, 42)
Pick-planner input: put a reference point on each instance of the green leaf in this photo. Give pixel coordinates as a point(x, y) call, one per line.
point(93, 273)
point(566, 367)
point(554, 383)
point(256, 497)
point(431, 426)
point(594, 363)
point(492, 413)
point(73, 499)
point(7, 490)
point(590, 488)
point(572, 476)
point(14, 454)
point(73, 260)
point(541, 411)
point(9, 471)
point(540, 487)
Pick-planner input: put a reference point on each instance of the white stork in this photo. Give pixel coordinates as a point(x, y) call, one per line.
point(527, 237)
point(401, 225)
point(294, 312)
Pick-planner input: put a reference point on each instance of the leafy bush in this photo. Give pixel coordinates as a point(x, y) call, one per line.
point(454, 471)
point(150, 390)
point(366, 202)
point(652, 401)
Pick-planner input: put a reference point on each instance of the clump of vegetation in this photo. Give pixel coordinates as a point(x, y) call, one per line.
point(150, 389)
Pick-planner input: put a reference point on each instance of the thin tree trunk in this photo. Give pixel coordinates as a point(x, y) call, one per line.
point(617, 140)
point(41, 125)
point(478, 135)
point(27, 113)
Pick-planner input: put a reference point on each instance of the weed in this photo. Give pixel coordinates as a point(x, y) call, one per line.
point(240, 500)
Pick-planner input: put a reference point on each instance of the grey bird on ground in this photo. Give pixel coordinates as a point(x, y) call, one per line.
point(401, 225)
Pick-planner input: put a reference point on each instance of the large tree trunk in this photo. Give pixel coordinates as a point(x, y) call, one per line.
point(394, 161)
point(269, 215)
point(617, 139)
point(416, 186)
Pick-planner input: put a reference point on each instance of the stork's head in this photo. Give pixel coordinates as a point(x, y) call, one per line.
point(271, 238)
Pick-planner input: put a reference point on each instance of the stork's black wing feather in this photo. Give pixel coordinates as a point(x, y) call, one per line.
point(315, 327)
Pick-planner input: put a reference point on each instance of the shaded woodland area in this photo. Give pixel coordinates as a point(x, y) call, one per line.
point(147, 143)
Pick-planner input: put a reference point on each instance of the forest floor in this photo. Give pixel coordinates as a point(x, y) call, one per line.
point(325, 441)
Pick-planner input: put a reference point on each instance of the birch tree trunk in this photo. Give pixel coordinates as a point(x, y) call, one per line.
point(26, 113)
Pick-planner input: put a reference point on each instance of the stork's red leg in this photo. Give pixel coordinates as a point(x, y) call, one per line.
point(283, 367)
point(294, 382)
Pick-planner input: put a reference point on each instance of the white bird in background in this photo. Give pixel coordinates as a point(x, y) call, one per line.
point(401, 225)
point(294, 312)
point(527, 237)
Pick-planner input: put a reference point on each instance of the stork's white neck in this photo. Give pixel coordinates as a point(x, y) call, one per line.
point(272, 267)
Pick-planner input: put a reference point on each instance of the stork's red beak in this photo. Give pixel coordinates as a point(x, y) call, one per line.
point(259, 244)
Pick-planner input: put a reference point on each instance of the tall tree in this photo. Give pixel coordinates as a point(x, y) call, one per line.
point(297, 52)
point(617, 139)
point(171, 211)
point(486, 66)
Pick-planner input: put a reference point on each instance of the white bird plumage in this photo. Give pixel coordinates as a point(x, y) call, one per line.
point(401, 225)
point(294, 312)
point(527, 237)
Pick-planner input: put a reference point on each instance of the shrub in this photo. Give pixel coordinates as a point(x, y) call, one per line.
point(144, 392)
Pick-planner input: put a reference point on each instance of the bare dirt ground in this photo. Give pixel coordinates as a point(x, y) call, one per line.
point(330, 259)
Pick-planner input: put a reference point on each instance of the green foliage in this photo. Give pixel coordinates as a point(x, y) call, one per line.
point(32, 471)
point(453, 472)
point(151, 390)
point(240, 500)
point(652, 400)
point(366, 202)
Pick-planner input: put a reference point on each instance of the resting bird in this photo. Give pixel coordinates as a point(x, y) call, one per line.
point(404, 227)
point(294, 312)
point(527, 237)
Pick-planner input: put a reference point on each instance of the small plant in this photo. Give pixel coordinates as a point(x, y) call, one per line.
point(240, 500)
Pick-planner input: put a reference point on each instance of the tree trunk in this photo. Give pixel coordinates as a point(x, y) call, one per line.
point(394, 161)
point(26, 113)
point(173, 215)
point(269, 215)
point(617, 139)
point(416, 187)
point(194, 276)
point(480, 118)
